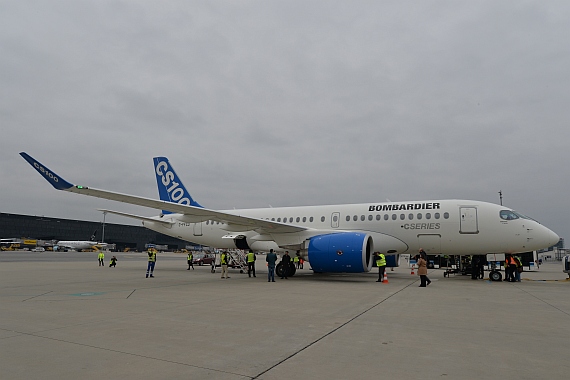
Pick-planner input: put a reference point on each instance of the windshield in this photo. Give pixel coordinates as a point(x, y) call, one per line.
point(512, 215)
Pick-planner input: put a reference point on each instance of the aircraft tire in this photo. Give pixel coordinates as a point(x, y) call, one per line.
point(495, 276)
point(292, 269)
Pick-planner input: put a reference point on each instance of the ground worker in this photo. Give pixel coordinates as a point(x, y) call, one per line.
point(113, 262)
point(190, 260)
point(271, 258)
point(224, 263)
point(101, 256)
point(151, 262)
point(296, 260)
point(251, 263)
point(381, 264)
point(285, 262)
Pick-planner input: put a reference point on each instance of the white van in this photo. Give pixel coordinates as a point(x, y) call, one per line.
point(38, 249)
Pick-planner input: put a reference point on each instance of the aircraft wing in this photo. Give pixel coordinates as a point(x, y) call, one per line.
point(195, 214)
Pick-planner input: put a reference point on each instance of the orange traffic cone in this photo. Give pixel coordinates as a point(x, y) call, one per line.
point(385, 280)
point(412, 270)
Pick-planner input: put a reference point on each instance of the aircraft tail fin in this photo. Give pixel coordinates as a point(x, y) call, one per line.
point(170, 187)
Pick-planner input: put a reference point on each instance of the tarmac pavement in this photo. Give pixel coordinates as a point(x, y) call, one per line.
point(63, 317)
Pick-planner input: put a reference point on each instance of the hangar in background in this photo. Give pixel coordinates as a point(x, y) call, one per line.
point(43, 228)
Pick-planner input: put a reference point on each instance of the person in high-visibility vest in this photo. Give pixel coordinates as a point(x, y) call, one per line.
point(224, 263)
point(101, 256)
point(190, 260)
point(381, 264)
point(251, 263)
point(151, 262)
point(113, 262)
point(296, 260)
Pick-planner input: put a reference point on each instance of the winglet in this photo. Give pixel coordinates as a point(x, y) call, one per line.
point(55, 180)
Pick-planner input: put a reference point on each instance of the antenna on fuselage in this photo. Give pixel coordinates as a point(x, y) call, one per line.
point(501, 197)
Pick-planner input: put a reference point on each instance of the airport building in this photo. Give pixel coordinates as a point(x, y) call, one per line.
point(47, 229)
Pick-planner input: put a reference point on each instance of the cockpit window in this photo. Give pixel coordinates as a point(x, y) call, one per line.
point(508, 215)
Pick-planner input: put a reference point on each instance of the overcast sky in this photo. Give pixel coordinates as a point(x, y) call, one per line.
point(287, 103)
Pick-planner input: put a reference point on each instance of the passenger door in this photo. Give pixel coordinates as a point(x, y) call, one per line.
point(468, 222)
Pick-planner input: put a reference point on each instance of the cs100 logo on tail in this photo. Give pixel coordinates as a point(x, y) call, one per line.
point(175, 191)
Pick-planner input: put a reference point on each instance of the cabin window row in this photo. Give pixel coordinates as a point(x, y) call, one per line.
point(410, 216)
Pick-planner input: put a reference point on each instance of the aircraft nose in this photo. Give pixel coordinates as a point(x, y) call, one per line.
point(553, 237)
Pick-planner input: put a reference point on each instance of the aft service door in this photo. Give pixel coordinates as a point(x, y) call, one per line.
point(197, 229)
point(468, 221)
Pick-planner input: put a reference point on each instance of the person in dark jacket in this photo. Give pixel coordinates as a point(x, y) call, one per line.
point(285, 262)
point(271, 258)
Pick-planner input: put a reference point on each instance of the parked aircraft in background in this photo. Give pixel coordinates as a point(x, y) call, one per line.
point(78, 245)
point(333, 238)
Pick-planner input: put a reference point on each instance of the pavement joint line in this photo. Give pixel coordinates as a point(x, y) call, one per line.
point(331, 332)
point(543, 301)
point(39, 295)
point(130, 353)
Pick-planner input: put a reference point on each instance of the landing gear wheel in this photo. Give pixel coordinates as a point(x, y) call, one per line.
point(292, 269)
point(495, 276)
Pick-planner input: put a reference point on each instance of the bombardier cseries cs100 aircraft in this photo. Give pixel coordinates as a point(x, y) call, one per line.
point(333, 238)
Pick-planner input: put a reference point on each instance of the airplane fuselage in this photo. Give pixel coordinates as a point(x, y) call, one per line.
point(439, 227)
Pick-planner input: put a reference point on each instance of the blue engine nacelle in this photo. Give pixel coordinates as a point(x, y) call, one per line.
point(341, 252)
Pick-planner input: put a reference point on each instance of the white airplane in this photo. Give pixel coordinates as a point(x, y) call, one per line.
point(80, 244)
point(333, 238)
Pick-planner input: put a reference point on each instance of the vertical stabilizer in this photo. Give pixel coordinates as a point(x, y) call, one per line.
point(170, 187)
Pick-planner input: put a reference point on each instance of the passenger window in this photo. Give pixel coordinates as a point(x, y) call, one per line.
point(394, 216)
point(411, 216)
point(386, 217)
point(446, 215)
point(428, 215)
point(298, 219)
point(355, 218)
point(311, 219)
point(419, 216)
point(291, 220)
point(378, 217)
point(370, 217)
point(279, 220)
point(304, 219)
point(362, 217)
point(436, 215)
point(348, 218)
point(322, 218)
point(273, 219)
point(402, 216)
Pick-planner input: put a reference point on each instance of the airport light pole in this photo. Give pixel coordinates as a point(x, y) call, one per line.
point(103, 234)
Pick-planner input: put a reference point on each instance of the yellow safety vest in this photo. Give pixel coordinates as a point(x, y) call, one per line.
point(250, 257)
point(152, 257)
point(190, 257)
point(223, 259)
point(101, 255)
point(381, 260)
